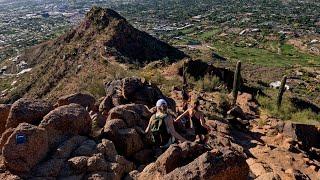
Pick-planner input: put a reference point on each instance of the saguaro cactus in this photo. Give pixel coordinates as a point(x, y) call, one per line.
point(184, 74)
point(281, 91)
point(236, 82)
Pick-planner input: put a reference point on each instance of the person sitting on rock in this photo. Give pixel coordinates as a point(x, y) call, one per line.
point(196, 121)
point(161, 126)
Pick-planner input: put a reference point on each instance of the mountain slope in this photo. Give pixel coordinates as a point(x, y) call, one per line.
point(88, 53)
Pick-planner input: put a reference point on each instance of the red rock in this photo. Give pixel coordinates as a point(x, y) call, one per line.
point(98, 163)
point(269, 176)
point(248, 104)
point(85, 100)
point(8, 176)
point(126, 165)
point(5, 137)
point(23, 157)
point(107, 148)
point(29, 111)
point(102, 176)
point(210, 166)
point(4, 113)
point(174, 157)
point(128, 142)
point(131, 114)
point(79, 163)
point(112, 127)
point(65, 149)
point(184, 161)
point(66, 120)
point(130, 85)
point(106, 105)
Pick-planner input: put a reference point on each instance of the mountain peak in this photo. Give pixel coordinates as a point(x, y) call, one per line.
point(101, 17)
point(104, 36)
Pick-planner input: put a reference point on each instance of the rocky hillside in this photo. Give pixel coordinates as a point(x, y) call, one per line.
point(80, 107)
point(80, 137)
point(88, 52)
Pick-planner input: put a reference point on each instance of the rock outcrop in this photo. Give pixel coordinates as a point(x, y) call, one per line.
point(4, 113)
point(308, 135)
point(132, 90)
point(85, 100)
point(66, 120)
point(193, 161)
point(122, 125)
point(25, 147)
point(60, 143)
point(27, 110)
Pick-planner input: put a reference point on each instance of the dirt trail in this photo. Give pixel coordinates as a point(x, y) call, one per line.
point(272, 155)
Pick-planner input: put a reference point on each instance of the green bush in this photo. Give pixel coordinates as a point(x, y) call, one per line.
point(208, 83)
point(287, 111)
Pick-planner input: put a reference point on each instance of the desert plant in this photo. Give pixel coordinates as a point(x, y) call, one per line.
point(236, 83)
point(281, 91)
point(184, 74)
point(207, 83)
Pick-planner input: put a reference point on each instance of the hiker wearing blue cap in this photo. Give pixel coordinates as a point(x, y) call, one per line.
point(161, 126)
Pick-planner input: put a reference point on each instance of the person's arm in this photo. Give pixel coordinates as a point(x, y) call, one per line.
point(182, 115)
point(203, 122)
point(172, 131)
point(149, 124)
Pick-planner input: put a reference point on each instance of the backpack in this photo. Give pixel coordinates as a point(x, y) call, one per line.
point(158, 129)
point(158, 123)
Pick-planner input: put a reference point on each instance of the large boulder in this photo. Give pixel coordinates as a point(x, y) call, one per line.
point(5, 136)
point(131, 114)
point(66, 121)
point(175, 156)
point(27, 110)
point(85, 100)
point(193, 161)
point(133, 90)
point(130, 85)
point(106, 105)
point(112, 127)
point(309, 135)
point(97, 163)
point(107, 148)
point(79, 163)
point(123, 124)
point(230, 166)
point(4, 113)
point(65, 149)
point(25, 147)
point(248, 104)
point(128, 142)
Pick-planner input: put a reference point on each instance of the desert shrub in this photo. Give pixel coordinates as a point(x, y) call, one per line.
point(287, 111)
point(261, 123)
point(96, 88)
point(207, 83)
